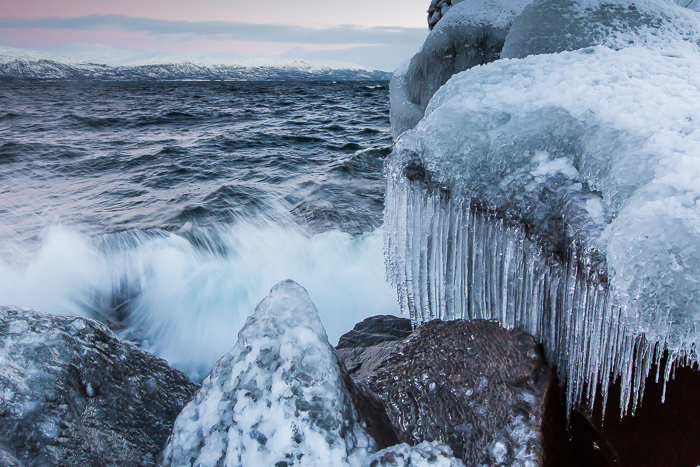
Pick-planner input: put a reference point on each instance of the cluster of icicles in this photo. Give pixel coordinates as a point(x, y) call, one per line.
point(450, 259)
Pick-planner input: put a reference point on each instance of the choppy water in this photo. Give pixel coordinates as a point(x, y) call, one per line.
point(168, 210)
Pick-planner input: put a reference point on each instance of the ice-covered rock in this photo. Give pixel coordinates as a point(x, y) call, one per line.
point(558, 193)
point(551, 26)
point(72, 394)
point(425, 454)
point(471, 34)
point(277, 399)
point(470, 384)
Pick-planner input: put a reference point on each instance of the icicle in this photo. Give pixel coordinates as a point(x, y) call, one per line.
point(454, 259)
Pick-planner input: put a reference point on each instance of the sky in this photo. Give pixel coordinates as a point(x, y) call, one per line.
point(375, 33)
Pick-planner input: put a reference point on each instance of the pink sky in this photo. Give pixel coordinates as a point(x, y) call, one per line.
point(313, 14)
point(310, 13)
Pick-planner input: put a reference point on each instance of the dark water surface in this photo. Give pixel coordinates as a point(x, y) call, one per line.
point(167, 210)
point(118, 156)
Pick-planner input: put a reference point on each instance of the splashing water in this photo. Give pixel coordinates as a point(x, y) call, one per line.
point(184, 296)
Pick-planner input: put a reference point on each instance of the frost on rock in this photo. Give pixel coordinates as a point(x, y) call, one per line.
point(559, 193)
point(72, 394)
point(471, 34)
point(425, 454)
point(277, 398)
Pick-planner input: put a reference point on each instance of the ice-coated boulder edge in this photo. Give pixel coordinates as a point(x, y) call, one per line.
point(471, 33)
point(551, 26)
point(559, 193)
point(73, 394)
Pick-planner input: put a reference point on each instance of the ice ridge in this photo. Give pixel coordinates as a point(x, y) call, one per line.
point(557, 191)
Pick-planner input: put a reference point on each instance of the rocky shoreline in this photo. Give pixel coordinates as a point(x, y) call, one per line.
point(449, 393)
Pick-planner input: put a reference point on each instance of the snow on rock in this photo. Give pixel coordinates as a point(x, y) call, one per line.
point(72, 394)
point(559, 193)
point(550, 26)
point(277, 399)
point(425, 454)
point(472, 33)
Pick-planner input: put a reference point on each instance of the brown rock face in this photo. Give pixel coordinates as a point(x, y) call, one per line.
point(471, 384)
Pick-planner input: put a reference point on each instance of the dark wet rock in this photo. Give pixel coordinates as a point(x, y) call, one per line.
point(371, 410)
point(72, 394)
point(658, 434)
point(375, 330)
point(363, 362)
point(371, 342)
point(471, 384)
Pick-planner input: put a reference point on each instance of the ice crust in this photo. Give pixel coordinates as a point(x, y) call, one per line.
point(425, 454)
point(560, 192)
point(471, 34)
point(277, 398)
point(550, 26)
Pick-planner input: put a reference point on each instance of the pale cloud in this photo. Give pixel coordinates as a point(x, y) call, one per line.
point(341, 34)
point(306, 13)
point(376, 33)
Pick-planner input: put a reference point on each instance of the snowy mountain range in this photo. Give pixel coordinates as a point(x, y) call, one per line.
point(98, 62)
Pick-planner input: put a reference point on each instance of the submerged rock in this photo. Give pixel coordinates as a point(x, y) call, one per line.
point(72, 394)
point(277, 399)
point(471, 384)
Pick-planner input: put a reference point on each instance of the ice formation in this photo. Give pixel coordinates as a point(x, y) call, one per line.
point(277, 398)
point(471, 34)
point(550, 26)
point(425, 454)
point(559, 192)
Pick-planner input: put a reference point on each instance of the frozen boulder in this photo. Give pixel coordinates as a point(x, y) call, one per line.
point(277, 399)
point(558, 193)
point(472, 33)
point(472, 385)
point(72, 394)
point(552, 26)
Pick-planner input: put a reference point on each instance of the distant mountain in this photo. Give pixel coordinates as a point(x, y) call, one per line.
point(94, 62)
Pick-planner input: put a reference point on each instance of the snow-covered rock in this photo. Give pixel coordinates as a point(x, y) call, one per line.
point(551, 26)
point(72, 394)
point(278, 398)
point(471, 34)
point(558, 192)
